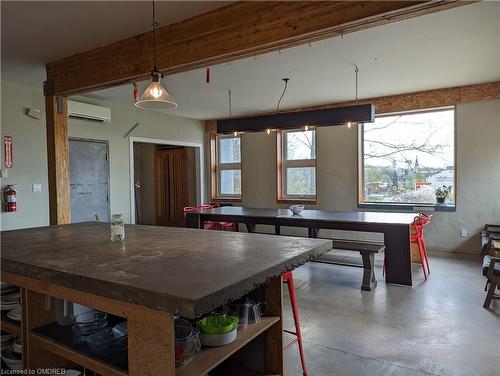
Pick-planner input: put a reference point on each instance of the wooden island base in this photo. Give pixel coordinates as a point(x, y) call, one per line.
point(151, 335)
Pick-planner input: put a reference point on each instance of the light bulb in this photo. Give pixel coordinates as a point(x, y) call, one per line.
point(349, 124)
point(156, 91)
point(268, 131)
point(306, 128)
point(235, 134)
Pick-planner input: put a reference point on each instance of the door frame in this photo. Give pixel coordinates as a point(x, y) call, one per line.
point(109, 165)
point(200, 174)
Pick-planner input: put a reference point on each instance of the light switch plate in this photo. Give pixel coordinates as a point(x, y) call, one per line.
point(463, 232)
point(3, 173)
point(37, 187)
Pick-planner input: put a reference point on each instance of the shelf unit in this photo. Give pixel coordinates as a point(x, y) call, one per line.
point(61, 341)
point(150, 347)
point(210, 357)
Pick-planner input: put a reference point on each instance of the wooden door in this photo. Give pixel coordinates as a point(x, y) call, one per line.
point(171, 186)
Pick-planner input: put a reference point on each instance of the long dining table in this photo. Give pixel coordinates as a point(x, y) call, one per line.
point(394, 226)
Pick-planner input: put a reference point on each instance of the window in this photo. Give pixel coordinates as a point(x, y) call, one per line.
point(297, 165)
point(226, 167)
point(405, 157)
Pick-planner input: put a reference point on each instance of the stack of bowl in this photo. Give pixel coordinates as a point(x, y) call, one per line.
point(12, 352)
point(218, 329)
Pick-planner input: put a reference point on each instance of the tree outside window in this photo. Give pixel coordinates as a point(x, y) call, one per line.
point(406, 157)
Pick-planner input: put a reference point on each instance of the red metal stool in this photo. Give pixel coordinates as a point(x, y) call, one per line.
point(209, 225)
point(420, 222)
point(288, 280)
point(224, 226)
point(417, 238)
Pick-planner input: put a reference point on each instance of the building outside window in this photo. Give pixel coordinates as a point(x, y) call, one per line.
point(405, 157)
point(297, 165)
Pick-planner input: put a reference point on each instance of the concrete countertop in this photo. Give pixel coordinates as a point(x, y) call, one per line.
point(181, 270)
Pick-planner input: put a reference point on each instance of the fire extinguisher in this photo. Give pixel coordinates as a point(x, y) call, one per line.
point(9, 196)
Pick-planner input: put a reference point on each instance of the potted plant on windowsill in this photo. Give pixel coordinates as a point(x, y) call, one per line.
point(442, 193)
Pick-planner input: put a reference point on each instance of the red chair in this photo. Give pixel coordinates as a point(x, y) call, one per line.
point(224, 226)
point(208, 225)
point(419, 224)
point(288, 280)
point(417, 238)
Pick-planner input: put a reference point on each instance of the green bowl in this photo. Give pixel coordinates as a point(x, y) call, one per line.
point(228, 324)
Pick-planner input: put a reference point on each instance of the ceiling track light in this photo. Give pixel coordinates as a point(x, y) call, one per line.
point(155, 97)
point(339, 116)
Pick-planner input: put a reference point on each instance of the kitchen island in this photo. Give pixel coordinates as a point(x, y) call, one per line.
point(154, 273)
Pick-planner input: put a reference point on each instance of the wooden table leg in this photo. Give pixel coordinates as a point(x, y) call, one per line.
point(151, 344)
point(397, 255)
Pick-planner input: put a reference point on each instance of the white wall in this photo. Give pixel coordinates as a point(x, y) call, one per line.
point(30, 154)
point(478, 176)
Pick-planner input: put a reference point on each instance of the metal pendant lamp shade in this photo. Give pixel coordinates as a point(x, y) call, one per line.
point(156, 97)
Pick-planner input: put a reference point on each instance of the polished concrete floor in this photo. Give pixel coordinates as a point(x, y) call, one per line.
point(436, 327)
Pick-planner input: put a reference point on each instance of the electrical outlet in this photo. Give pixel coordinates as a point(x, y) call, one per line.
point(37, 187)
point(463, 232)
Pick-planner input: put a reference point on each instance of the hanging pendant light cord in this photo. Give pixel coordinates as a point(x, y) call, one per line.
point(282, 94)
point(230, 106)
point(154, 25)
point(356, 71)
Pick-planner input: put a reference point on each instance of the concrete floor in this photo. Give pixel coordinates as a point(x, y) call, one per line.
point(436, 327)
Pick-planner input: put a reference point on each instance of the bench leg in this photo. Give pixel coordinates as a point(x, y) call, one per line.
point(489, 295)
point(369, 281)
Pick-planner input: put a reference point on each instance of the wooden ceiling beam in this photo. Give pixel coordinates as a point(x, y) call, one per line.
point(236, 31)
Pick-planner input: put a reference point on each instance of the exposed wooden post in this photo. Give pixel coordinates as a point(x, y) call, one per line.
point(58, 159)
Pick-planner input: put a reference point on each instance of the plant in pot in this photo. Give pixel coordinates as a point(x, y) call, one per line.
point(442, 193)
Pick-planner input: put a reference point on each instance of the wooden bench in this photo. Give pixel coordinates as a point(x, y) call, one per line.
point(367, 252)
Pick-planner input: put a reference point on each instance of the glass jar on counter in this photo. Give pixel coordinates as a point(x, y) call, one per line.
point(117, 227)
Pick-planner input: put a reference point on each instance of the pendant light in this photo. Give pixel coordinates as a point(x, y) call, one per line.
point(155, 97)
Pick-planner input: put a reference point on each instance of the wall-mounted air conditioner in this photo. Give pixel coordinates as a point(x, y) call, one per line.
point(89, 112)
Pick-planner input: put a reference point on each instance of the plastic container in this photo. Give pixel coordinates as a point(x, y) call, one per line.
point(120, 329)
point(105, 343)
point(187, 342)
point(240, 310)
point(90, 322)
point(255, 311)
point(217, 324)
point(214, 340)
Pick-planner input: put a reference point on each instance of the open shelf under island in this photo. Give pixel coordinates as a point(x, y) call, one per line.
point(155, 272)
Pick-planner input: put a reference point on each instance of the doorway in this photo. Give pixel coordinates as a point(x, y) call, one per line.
point(89, 180)
point(166, 179)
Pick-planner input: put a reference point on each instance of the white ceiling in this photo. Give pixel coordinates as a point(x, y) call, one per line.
point(455, 47)
point(39, 32)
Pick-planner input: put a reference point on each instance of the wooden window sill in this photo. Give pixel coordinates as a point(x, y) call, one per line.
point(225, 199)
point(297, 201)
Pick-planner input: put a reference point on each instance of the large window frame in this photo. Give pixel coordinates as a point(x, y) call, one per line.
point(363, 203)
point(217, 167)
point(283, 164)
